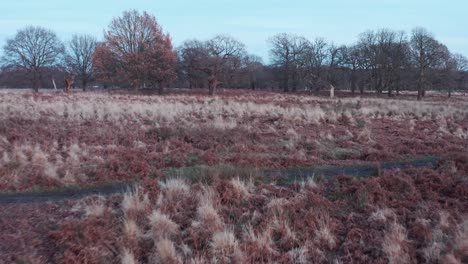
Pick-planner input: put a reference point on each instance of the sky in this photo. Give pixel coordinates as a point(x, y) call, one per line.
point(251, 21)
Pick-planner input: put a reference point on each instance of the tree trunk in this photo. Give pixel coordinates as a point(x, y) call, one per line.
point(160, 88)
point(421, 84)
point(84, 83)
point(294, 82)
point(212, 85)
point(397, 86)
point(286, 78)
point(390, 88)
point(379, 86)
point(353, 81)
point(36, 87)
point(285, 85)
point(317, 90)
point(252, 85)
point(212, 90)
point(35, 80)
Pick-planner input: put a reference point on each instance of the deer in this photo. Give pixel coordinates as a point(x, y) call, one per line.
point(313, 80)
point(69, 82)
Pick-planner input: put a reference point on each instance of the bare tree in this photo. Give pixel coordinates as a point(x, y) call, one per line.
point(461, 68)
point(318, 55)
point(33, 49)
point(351, 60)
point(335, 59)
point(253, 66)
point(222, 51)
point(426, 53)
point(452, 68)
point(217, 59)
point(312, 60)
point(461, 62)
point(383, 54)
point(287, 54)
point(282, 57)
point(79, 57)
point(400, 61)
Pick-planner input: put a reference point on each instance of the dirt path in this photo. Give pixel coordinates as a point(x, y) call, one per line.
point(50, 196)
point(366, 170)
point(278, 176)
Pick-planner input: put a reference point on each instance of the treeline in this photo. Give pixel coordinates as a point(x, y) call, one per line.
point(137, 53)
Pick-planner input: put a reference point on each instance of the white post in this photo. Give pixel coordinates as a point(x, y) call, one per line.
point(332, 91)
point(55, 86)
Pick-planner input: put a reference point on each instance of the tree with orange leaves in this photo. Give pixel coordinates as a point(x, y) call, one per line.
point(136, 51)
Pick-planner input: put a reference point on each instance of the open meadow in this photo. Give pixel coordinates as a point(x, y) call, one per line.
point(196, 188)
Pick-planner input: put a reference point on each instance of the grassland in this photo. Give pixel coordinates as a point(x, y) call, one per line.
point(227, 214)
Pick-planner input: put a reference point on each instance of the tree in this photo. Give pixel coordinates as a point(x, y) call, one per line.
point(317, 52)
point(352, 59)
point(461, 68)
point(335, 59)
point(311, 62)
point(33, 49)
point(223, 52)
point(384, 55)
point(193, 54)
point(79, 57)
point(105, 65)
point(400, 61)
point(461, 62)
point(427, 53)
point(286, 53)
point(217, 59)
point(254, 67)
point(452, 68)
point(142, 53)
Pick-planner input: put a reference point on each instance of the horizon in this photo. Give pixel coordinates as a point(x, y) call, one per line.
point(251, 23)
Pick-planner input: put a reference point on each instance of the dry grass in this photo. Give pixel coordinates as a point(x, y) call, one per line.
point(127, 257)
point(241, 188)
point(383, 215)
point(96, 207)
point(182, 109)
point(131, 229)
point(249, 130)
point(262, 241)
point(219, 215)
point(393, 244)
point(166, 252)
point(324, 233)
point(161, 225)
point(460, 252)
point(208, 218)
point(299, 255)
point(175, 189)
point(134, 200)
point(225, 248)
point(310, 182)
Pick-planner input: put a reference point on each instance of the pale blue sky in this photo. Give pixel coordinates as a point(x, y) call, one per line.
point(251, 21)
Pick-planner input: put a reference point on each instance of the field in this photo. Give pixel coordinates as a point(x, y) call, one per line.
point(198, 191)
